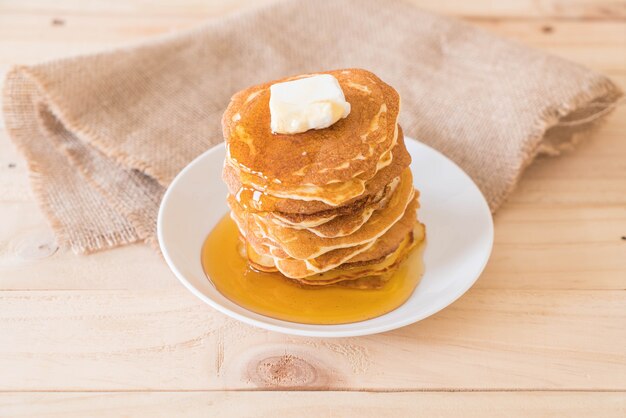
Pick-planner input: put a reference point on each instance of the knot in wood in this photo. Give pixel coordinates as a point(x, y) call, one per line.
point(36, 245)
point(286, 371)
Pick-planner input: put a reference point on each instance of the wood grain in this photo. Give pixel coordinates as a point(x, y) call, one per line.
point(32, 38)
point(312, 404)
point(580, 9)
point(168, 340)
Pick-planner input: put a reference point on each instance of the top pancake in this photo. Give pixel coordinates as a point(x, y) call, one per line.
point(353, 148)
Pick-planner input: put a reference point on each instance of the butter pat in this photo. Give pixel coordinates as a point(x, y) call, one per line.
point(314, 102)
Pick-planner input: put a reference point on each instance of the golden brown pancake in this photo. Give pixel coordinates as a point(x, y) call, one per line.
point(372, 274)
point(256, 200)
point(369, 276)
point(295, 268)
point(308, 268)
point(348, 149)
point(388, 242)
point(337, 225)
point(366, 275)
point(303, 244)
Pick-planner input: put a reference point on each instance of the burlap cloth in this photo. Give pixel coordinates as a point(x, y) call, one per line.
point(104, 134)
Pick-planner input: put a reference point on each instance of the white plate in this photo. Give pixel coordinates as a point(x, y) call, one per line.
point(459, 240)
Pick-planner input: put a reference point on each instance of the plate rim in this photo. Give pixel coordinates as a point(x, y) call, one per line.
point(325, 331)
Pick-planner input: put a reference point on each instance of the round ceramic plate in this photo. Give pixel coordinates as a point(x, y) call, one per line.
point(459, 240)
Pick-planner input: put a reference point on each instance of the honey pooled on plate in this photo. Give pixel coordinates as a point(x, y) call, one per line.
point(276, 296)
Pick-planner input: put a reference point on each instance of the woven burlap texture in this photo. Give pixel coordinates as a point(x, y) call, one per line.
point(105, 134)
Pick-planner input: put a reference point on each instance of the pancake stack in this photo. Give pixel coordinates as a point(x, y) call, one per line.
point(328, 206)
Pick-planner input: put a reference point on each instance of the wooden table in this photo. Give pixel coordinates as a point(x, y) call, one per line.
point(115, 334)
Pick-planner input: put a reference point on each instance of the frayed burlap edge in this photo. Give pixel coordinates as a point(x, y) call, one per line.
point(550, 118)
point(20, 83)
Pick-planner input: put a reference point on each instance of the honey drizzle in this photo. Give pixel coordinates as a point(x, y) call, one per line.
point(273, 295)
point(255, 201)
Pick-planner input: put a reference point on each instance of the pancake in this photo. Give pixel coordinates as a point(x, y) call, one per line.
point(351, 148)
point(297, 268)
point(294, 268)
point(372, 274)
point(338, 225)
point(334, 193)
point(303, 244)
point(259, 200)
point(389, 241)
point(285, 242)
point(318, 218)
point(369, 276)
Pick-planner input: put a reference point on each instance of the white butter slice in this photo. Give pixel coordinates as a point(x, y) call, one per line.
point(314, 102)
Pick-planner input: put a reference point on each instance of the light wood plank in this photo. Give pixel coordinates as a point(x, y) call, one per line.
point(30, 259)
point(33, 38)
point(580, 9)
point(101, 28)
point(313, 404)
point(149, 8)
point(14, 184)
point(168, 340)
